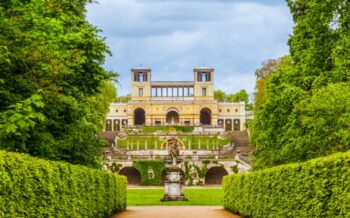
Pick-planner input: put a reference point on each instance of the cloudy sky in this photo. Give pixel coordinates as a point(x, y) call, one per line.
point(174, 36)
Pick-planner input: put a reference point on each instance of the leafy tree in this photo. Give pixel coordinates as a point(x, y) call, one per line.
point(124, 99)
point(304, 112)
point(242, 95)
point(54, 92)
point(262, 74)
point(219, 95)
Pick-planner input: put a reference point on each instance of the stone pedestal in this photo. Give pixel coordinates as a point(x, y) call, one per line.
point(173, 184)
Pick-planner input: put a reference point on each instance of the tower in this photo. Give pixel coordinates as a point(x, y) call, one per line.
point(203, 84)
point(141, 84)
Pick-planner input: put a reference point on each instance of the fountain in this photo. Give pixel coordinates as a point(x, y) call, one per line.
point(173, 179)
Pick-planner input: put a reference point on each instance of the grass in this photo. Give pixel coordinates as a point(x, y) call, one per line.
point(152, 141)
point(196, 196)
point(165, 129)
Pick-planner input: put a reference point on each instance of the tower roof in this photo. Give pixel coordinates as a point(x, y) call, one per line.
point(203, 68)
point(140, 69)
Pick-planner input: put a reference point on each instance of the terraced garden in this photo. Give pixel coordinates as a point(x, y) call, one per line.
point(190, 142)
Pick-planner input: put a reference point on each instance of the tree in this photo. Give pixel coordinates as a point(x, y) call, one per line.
point(267, 68)
point(242, 95)
point(304, 111)
point(219, 95)
point(54, 91)
point(124, 99)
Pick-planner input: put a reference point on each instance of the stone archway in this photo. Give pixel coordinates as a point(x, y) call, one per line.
point(179, 143)
point(132, 174)
point(139, 116)
point(205, 116)
point(172, 117)
point(214, 175)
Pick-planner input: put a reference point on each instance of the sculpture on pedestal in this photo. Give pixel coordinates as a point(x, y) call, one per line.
point(173, 179)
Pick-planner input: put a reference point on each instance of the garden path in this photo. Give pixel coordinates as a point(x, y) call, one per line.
point(176, 212)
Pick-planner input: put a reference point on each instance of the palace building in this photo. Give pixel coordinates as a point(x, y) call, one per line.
point(182, 103)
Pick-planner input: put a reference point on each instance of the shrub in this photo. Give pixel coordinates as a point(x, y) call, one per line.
point(317, 188)
point(32, 187)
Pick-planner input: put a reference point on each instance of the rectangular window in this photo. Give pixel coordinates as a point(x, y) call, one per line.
point(116, 125)
point(186, 91)
point(108, 125)
point(141, 77)
point(204, 76)
point(191, 91)
point(164, 92)
point(140, 91)
point(175, 91)
point(154, 92)
point(170, 91)
point(181, 89)
point(124, 123)
point(204, 91)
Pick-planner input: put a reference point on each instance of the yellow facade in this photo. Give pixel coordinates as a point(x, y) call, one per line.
point(175, 103)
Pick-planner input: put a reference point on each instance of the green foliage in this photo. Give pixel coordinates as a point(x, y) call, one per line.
point(202, 170)
point(124, 99)
point(219, 95)
point(115, 167)
point(143, 166)
point(18, 120)
point(165, 129)
point(187, 173)
point(242, 95)
point(304, 110)
point(153, 141)
point(262, 74)
point(32, 187)
point(317, 188)
point(48, 49)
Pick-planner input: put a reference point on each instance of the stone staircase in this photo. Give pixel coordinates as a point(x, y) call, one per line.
point(240, 138)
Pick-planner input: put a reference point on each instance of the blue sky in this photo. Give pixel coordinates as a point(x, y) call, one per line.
point(174, 36)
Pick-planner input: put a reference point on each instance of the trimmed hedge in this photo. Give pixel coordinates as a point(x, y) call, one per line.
point(32, 187)
point(317, 188)
point(144, 165)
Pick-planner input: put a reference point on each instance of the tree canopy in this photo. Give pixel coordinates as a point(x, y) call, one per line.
point(54, 92)
point(242, 95)
point(305, 110)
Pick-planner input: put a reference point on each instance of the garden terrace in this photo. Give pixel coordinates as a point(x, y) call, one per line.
point(155, 142)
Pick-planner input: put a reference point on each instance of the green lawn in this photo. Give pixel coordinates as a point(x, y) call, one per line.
point(151, 197)
point(205, 142)
point(165, 129)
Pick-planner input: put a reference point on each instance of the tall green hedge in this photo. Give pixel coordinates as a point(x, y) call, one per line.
point(156, 165)
point(317, 188)
point(32, 187)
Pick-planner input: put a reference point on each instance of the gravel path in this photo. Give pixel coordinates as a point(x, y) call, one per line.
point(176, 212)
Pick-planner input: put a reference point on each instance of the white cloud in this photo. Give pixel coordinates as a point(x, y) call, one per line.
point(173, 37)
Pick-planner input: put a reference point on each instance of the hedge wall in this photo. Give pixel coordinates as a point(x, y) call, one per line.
point(32, 187)
point(156, 165)
point(317, 188)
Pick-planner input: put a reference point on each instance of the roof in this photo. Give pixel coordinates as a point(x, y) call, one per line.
point(203, 68)
point(140, 69)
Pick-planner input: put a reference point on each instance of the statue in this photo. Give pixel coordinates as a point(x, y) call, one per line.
point(174, 181)
point(173, 150)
